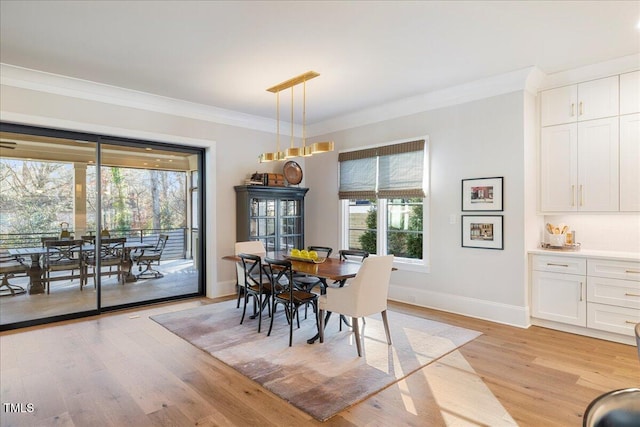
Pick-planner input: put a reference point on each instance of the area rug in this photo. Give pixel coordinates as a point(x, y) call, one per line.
point(320, 379)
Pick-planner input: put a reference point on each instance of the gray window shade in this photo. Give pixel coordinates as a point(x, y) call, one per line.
point(401, 170)
point(358, 174)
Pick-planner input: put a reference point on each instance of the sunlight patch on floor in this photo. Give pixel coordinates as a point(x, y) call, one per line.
point(463, 398)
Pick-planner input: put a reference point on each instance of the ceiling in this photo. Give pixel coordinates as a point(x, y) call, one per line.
point(226, 53)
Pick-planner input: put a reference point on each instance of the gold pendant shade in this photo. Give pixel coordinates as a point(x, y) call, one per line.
point(293, 151)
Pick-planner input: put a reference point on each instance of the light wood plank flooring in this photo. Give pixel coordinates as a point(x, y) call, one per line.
point(123, 369)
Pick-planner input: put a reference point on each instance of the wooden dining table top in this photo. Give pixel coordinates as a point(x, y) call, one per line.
point(331, 268)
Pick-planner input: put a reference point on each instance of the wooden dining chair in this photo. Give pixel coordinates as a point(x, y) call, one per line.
point(285, 293)
point(255, 247)
point(365, 295)
point(307, 282)
point(256, 286)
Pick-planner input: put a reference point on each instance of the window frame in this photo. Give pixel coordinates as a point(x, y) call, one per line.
point(408, 264)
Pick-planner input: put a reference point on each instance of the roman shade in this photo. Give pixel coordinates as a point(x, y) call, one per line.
point(384, 172)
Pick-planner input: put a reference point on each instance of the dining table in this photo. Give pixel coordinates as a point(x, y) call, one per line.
point(35, 271)
point(327, 269)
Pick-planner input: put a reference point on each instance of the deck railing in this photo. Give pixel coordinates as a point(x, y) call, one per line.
point(176, 247)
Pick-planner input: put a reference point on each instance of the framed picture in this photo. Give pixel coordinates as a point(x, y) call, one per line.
point(484, 232)
point(482, 194)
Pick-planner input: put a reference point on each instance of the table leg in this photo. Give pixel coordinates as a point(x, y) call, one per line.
point(128, 277)
point(36, 285)
point(317, 335)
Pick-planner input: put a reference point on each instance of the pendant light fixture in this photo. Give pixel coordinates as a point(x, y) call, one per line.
point(293, 151)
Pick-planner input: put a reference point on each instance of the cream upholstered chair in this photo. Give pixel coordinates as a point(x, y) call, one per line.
point(253, 247)
point(366, 294)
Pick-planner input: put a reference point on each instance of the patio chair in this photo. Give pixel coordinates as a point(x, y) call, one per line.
point(63, 256)
point(110, 254)
point(150, 256)
point(9, 267)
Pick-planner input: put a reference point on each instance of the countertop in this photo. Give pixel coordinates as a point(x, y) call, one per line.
point(589, 253)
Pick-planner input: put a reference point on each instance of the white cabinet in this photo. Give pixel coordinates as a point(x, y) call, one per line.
point(613, 295)
point(579, 166)
point(599, 295)
point(630, 93)
point(590, 146)
point(559, 167)
point(558, 289)
point(630, 162)
point(597, 189)
point(585, 101)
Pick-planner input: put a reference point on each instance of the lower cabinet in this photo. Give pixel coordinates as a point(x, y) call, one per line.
point(594, 293)
point(558, 290)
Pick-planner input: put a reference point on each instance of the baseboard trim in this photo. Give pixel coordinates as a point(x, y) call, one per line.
point(481, 309)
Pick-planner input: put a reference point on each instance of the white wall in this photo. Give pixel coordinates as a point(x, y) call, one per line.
point(483, 138)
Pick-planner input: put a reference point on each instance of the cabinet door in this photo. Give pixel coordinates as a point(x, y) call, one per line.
point(559, 297)
point(598, 98)
point(558, 168)
point(598, 165)
point(559, 105)
point(630, 163)
point(630, 93)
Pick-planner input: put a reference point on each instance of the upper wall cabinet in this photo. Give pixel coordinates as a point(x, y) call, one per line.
point(630, 93)
point(585, 101)
point(589, 146)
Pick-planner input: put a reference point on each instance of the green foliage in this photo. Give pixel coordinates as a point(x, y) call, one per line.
point(368, 240)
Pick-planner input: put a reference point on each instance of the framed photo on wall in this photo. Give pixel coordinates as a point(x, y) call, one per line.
point(482, 194)
point(482, 231)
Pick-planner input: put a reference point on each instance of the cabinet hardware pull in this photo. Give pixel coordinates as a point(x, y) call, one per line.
point(581, 196)
point(632, 271)
point(630, 321)
point(628, 294)
point(573, 195)
point(581, 109)
point(573, 109)
point(580, 291)
point(558, 265)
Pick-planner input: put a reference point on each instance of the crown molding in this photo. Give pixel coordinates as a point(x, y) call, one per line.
point(598, 70)
point(484, 88)
point(25, 78)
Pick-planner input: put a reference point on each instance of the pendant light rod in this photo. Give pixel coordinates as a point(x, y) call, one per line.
point(293, 81)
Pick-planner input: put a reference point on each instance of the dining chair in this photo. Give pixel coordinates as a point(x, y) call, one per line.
point(148, 256)
point(255, 285)
point(365, 295)
point(307, 282)
point(63, 256)
point(287, 294)
point(110, 253)
point(353, 255)
point(255, 247)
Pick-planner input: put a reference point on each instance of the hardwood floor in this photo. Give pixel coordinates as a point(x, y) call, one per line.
point(124, 369)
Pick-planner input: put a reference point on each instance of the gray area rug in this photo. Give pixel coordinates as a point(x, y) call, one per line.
point(320, 379)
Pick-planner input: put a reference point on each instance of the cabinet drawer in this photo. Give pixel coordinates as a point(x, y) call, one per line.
point(560, 264)
point(627, 270)
point(620, 320)
point(624, 293)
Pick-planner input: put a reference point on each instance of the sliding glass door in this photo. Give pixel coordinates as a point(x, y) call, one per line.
point(130, 208)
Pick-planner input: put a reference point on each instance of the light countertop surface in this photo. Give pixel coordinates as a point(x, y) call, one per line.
point(589, 253)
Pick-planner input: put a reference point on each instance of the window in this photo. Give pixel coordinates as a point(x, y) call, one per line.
point(383, 192)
